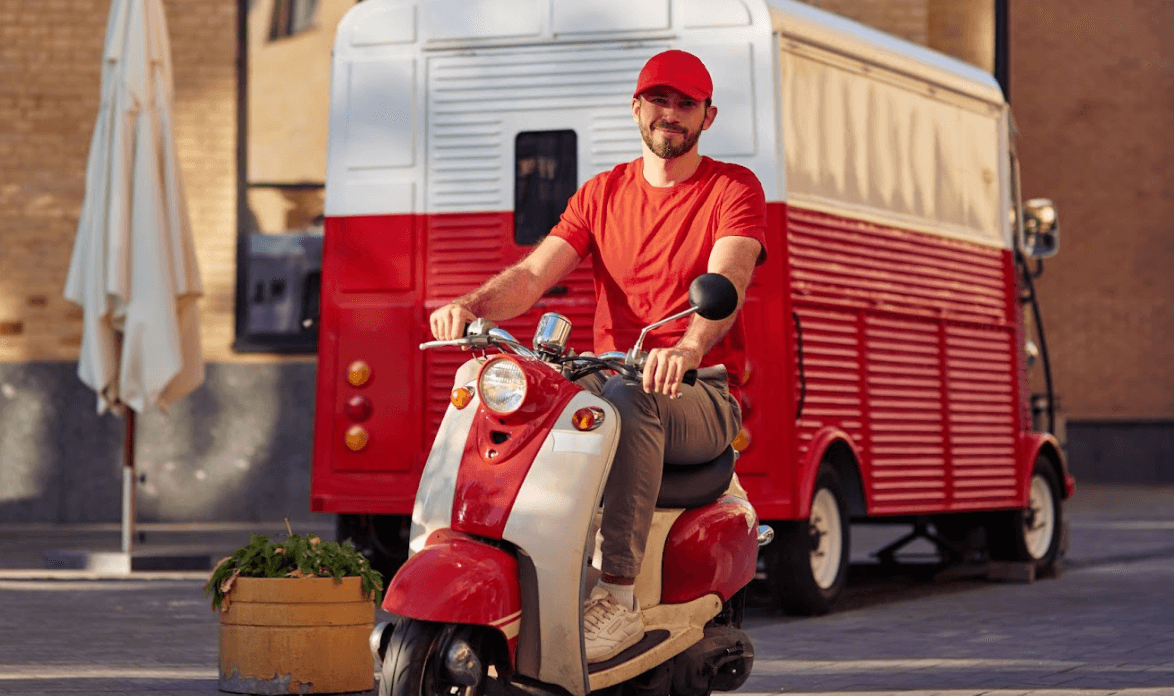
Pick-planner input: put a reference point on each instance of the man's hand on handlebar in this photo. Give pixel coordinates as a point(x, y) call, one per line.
point(449, 322)
point(666, 367)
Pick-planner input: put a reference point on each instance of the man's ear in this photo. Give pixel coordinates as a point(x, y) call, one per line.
point(636, 110)
point(710, 114)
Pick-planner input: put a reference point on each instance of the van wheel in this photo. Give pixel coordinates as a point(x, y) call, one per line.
point(807, 565)
point(1031, 535)
point(382, 539)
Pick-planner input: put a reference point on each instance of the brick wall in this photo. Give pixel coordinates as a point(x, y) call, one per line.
point(908, 19)
point(1092, 88)
point(50, 55)
point(965, 30)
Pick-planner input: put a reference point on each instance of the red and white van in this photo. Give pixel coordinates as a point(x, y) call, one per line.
point(887, 375)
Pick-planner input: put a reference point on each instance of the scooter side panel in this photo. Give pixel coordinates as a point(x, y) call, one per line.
point(433, 507)
point(711, 549)
point(551, 520)
point(457, 579)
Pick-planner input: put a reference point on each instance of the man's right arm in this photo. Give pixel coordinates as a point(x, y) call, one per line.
point(509, 293)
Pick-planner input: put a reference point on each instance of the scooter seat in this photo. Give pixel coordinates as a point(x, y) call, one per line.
point(694, 485)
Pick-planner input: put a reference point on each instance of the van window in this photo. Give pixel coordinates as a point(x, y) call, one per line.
point(545, 177)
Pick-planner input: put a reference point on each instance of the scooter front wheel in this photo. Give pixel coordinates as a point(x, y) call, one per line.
point(415, 663)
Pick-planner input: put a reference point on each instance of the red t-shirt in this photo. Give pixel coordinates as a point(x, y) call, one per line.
point(650, 243)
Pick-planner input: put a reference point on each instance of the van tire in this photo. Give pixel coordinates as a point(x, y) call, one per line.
point(807, 565)
point(1033, 534)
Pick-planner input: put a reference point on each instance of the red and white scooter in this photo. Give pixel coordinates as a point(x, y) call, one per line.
point(504, 529)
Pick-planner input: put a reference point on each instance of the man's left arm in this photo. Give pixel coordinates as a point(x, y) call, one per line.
point(734, 257)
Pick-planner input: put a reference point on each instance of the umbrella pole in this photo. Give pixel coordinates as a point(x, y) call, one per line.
point(128, 483)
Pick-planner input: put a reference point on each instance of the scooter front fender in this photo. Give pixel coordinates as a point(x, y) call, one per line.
point(458, 579)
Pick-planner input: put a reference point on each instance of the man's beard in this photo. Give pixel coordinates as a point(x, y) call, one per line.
point(665, 149)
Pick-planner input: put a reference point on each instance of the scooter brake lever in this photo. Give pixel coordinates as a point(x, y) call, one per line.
point(464, 342)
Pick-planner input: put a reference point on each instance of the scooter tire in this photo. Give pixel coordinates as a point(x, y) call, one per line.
point(412, 643)
point(412, 665)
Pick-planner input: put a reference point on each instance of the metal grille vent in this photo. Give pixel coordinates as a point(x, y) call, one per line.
point(475, 103)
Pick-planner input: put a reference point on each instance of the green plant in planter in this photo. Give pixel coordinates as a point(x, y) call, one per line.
point(296, 557)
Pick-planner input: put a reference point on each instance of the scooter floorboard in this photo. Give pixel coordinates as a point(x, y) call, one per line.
point(684, 625)
point(650, 640)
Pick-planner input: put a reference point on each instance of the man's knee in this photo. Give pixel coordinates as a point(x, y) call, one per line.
point(629, 398)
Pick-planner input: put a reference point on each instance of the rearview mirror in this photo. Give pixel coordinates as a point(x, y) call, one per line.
point(1041, 228)
point(713, 295)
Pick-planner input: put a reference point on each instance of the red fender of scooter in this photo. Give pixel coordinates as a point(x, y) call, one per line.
point(711, 549)
point(459, 580)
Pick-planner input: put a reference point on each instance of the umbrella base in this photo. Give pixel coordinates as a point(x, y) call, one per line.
point(120, 562)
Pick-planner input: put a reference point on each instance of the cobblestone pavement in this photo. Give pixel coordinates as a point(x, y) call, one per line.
point(1105, 627)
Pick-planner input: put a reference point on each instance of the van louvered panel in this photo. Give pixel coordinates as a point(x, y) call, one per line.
point(614, 139)
point(471, 98)
point(468, 163)
point(464, 250)
point(939, 397)
point(858, 264)
point(831, 364)
point(980, 373)
point(533, 79)
point(904, 388)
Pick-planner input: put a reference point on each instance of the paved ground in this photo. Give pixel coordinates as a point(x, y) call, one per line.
point(1105, 627)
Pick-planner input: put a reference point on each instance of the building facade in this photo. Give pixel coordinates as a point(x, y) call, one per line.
point(1092, 88)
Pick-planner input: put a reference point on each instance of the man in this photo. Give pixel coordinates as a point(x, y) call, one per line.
point(652, 225)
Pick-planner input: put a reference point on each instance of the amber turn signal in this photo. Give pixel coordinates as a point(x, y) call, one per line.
point(461, 397)
point(356, 437)
point(588, 418)
point(741, 440)
point(358, 373)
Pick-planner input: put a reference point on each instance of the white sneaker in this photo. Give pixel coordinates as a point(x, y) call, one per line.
point(609, 627)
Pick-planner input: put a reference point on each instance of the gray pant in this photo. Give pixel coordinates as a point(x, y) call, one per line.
point(692, 429)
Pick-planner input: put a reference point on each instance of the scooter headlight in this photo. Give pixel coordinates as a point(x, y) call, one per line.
point(502, 386)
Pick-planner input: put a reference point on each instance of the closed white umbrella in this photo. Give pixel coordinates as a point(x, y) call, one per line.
point(133, 269)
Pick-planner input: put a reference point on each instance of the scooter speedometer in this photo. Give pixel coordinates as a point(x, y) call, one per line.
point(502, 386)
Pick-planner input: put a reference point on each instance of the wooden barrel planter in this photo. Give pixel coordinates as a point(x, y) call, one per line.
point(296, 636)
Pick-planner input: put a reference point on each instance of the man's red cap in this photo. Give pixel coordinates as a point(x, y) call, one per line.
point(678, 70)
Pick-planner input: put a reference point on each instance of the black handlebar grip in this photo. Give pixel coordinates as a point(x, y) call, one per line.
point(690, 377)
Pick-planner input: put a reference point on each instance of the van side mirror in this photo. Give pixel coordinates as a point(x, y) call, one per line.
point(714, 296)
point(1041, 228)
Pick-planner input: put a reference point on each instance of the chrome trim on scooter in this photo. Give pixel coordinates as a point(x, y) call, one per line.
point(550, 338)
point(377, 642)
point(766, 534)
